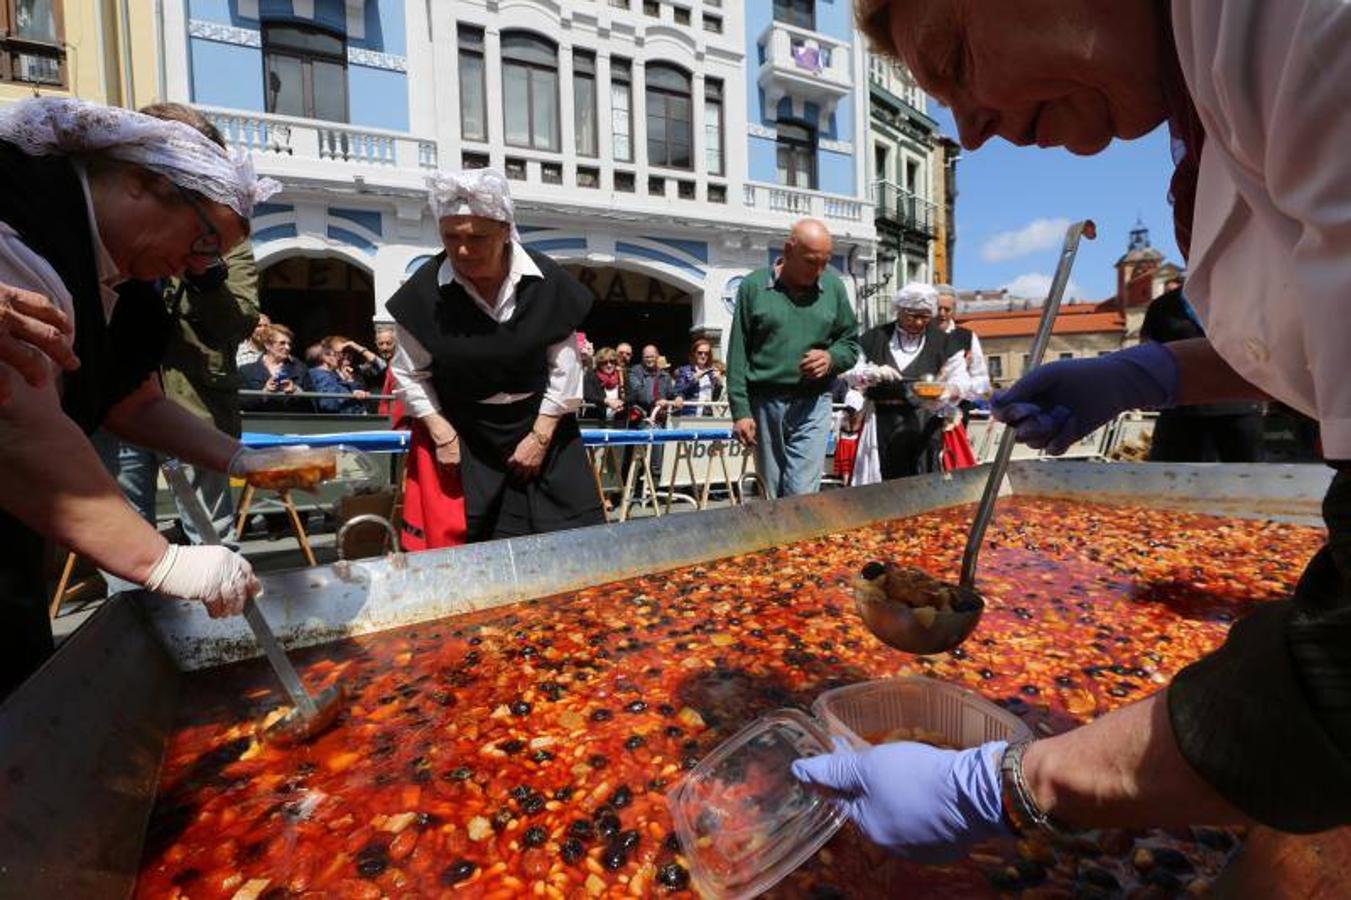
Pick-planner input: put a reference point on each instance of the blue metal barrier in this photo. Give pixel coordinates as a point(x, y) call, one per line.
point(397, 441)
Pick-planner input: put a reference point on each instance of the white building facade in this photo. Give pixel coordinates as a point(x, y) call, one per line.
point(658, 149)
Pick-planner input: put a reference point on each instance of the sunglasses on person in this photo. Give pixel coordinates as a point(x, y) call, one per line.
point(208, 243)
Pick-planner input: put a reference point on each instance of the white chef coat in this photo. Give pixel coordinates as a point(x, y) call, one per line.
point(1270, 266)
point(412, 364)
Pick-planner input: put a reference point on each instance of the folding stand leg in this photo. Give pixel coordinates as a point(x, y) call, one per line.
point(714, 450)
point(682, 452)
point(61, 585)
point(597, 461)
point(732, 494)
point(299, 528)
point(244, 500)
point(649, 486)
point(626, 497)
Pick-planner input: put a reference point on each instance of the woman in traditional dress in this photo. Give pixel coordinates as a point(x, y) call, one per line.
point(903, 432)
point(96, 204)
point(487, 365)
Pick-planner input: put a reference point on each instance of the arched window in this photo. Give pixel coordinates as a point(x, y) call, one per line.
point(668, 117)
point(530, 90)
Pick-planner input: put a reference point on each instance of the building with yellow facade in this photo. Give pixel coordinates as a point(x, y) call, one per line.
point(101, 50)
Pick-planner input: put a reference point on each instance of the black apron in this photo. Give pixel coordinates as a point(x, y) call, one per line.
point(41, 199)
point(909, 437)
point(475, 357)
point(499, 505)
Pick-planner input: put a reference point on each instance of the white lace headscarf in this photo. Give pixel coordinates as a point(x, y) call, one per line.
point(473, 192)
point(917, 296)
point(48, 126)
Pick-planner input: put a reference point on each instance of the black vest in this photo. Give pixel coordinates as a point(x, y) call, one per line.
point(41, 199)
point(876, 344)
point(473, 356)
point(959, 338)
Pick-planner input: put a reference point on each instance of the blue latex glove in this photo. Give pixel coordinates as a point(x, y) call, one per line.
point(1055, 405)
point(923, 803)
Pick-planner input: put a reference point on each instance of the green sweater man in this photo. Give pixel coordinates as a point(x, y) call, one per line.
point(793, 329)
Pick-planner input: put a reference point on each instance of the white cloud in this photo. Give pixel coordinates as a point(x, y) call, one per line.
point(1035, 286)
point(1039, 234)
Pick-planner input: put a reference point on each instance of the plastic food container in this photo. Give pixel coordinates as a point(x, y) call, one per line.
point(305, 468)
point(745, 823)
point(929, 390)
point(868, 712)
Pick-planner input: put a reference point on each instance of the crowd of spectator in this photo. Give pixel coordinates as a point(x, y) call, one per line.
point(337, 374)
point(620, 394)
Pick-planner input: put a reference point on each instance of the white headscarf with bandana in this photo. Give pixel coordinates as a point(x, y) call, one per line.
point(54, 126)
point(473, 192)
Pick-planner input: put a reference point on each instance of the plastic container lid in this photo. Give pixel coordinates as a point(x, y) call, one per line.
point(744, 822)
point(872, 711)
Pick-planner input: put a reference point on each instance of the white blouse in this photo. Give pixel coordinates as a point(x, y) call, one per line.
point(1270, 266)
point(412, 364)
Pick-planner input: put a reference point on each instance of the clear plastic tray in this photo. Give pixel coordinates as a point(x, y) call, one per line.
point(744, 822)
point(869, 711)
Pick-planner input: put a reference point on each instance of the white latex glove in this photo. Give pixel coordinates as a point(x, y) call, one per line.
point(217, 576)
point(865, 375)
point(887, 374)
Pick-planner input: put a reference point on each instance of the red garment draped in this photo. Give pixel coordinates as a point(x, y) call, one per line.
point(433, 498)
point(957, 452)
point(846, 452)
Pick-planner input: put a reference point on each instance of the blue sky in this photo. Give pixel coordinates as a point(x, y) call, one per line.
point(1012, 203)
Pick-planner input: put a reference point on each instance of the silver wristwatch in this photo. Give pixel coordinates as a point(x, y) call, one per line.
point(1020, 807)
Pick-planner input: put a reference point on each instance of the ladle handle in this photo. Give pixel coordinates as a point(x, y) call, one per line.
point(985, 511)
point(189, 502)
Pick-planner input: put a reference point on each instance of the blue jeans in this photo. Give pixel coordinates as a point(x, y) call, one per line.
point(790, 442)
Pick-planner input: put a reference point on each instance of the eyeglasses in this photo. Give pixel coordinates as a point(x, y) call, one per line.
point(208, 243)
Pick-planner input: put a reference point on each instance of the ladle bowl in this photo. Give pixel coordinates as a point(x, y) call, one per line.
point(896, 624)
point(892, 620)
point(297, 728)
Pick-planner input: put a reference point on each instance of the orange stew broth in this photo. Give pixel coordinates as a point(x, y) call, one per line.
point(526, 750)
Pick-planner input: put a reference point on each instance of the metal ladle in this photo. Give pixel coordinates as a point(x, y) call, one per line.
point(309, 715)
point(895, 622)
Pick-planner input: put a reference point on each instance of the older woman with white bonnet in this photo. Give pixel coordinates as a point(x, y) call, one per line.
point(488, 369)
point(911, 373)
point(95, 204)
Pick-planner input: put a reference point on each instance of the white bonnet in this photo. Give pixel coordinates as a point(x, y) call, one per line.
point(917, 296)
point(473, 192)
